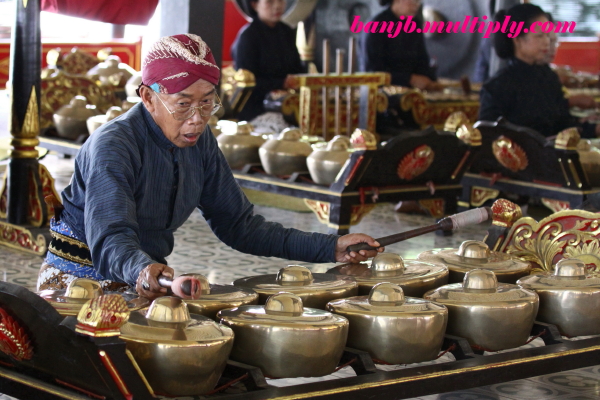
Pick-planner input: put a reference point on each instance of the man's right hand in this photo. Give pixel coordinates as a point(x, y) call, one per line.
point(420, 81)
point(147, 281)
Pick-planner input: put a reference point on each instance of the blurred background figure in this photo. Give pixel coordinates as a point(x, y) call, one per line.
point(527, 92)
point(267, 48)
point(405, 56)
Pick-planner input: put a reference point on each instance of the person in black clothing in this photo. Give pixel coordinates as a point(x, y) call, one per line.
point(267, 48)
point(527, 92)
point(404, 56)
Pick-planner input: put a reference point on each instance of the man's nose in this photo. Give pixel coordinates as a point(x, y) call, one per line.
point(197, 118)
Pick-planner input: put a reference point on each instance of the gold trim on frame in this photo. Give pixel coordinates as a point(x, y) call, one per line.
point(536, 185)
point(40, 385)
point(390, 382)
point(139, 371)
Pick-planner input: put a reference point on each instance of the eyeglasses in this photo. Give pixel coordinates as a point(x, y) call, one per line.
point(183, 113)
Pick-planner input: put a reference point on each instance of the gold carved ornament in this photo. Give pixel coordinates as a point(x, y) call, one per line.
point(509, 154)
point(362, 139)
point(469, 135)
point(13, 339)
point(556, 205)
point(565, 234)
point(567, 139)
point(322, 208)
point(505, 213)
point(35, 212)
point(480, 195)
point(456, 120)
point(58, 90)
point(435, 207)
point(435, 113)
point(78, 62)
point(415, 163)
point(103, 316)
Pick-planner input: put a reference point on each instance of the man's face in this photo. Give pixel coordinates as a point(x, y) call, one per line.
point(181, 133)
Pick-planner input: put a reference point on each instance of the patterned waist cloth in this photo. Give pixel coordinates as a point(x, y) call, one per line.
point(69, 258)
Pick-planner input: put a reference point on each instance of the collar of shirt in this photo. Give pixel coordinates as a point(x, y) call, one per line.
point(156, 133)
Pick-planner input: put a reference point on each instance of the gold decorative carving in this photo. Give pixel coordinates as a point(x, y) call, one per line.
point(567, 139)
point(24, 137)
point(54, 57)
point(382, 102)
point(60, 88)
point(505, 213)
point(436, 113)
point(321, 210)
point(569, 233)
point(455, 121)
point(311, 108)
point(469, 135)
point(305, 46)
point(35, 211)
point(21, 238)
point(291, 104)
point(415, 163)
point(362, 139)
point(480, 195)
point(37, 215)
point(31, 122)
point(509, 154)
point(13, 339)
point(435, 207)
point(78, 62)
point(236, 87)
point(556, 205)
point(47, 182)
point(103, 316)
point(104, 53)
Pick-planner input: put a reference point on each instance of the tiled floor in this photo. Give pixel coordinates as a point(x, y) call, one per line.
point(198, 250)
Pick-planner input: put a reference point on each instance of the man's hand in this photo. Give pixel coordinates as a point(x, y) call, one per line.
point(341, 255)
point(147, 281)
point(582, 101)
point(420, 81)
point(291, 82)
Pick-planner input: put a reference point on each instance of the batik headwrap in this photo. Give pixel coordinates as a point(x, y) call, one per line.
point(175, 62)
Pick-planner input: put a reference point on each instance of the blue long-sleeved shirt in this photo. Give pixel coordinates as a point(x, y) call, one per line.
point(132, 188)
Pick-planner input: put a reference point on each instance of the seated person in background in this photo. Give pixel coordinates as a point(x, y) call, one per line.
point(404, 56)
point(527, 92)
point(267, 48)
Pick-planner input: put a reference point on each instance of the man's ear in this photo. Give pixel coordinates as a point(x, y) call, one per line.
point(148, 98)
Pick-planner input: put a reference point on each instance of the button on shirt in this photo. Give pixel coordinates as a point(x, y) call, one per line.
point(132, 188)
